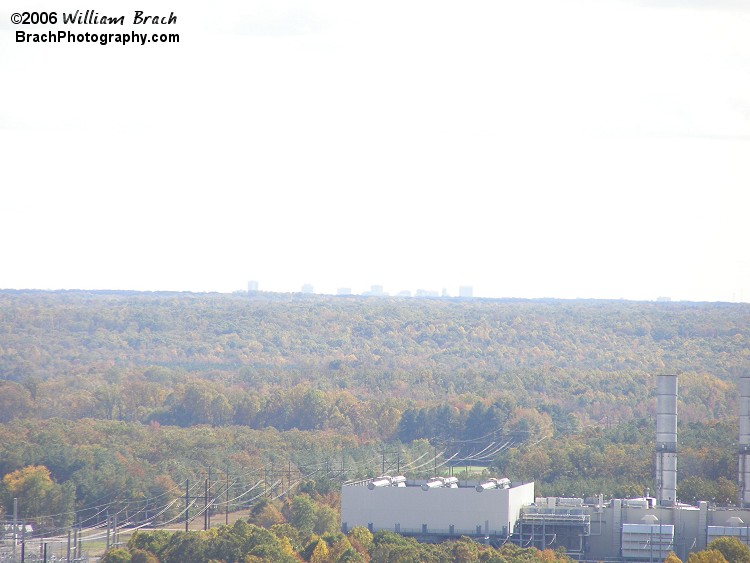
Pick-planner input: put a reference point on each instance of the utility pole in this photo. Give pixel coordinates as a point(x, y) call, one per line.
point(15, 527)
point(227, 508)
point(187, 503)
point(205, 505)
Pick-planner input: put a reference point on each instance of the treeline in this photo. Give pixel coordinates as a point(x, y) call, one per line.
point(72, 465)
point(617, 460)
point(498, 419)
point(246, 543)
point(109, 462)
point(579, 353)
point(359, 364)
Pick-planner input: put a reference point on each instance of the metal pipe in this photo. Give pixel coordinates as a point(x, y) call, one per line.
point(15, 527)
point(743, 471)
point(666, 439)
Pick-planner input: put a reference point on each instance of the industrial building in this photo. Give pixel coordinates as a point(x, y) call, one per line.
point(435, 509)
point(498, 511)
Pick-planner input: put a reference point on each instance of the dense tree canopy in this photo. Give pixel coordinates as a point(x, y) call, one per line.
point(248, 543)
point(124, 397)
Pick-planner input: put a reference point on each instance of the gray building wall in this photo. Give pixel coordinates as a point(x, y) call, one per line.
point(411, 510)
point(691, 526)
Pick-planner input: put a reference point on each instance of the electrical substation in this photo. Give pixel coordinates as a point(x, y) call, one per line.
point(589, 529)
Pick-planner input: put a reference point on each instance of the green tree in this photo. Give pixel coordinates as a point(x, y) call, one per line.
point(225, 545)
point(116, 555)
point(15, 401)
point(153, 541)
point(265, 514)
point(142, 556)
point(465, 550)
point(38, 495)
point(320, 553)
point(184, 547)
point(707, 556)
point(289, 532)
point(221, 410)
point(695, 488)
point(107, 398)
point(361, 536)
point(326, 520)
point(726, 491)
point(672, 558)
point(733, 550)
point(302, 512)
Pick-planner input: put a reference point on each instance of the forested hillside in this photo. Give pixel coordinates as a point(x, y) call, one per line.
point(119, 355)
point(125, 395)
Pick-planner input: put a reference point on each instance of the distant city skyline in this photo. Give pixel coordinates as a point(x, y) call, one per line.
point(460, 292)
point(375, 290)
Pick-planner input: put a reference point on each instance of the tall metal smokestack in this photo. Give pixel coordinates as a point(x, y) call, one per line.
point(666, 439)
point(744, 451)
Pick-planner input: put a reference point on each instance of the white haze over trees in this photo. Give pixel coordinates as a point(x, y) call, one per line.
point(550, 148)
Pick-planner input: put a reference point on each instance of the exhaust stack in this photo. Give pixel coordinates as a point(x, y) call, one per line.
point(666, 439)
point(744, 450)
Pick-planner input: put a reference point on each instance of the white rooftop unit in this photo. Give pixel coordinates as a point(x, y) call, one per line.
point(648, 541)
point(645, 502)
point(567, 501)
point(387, 481)
point(558, 501)
point(436, 482)
point(503, 483)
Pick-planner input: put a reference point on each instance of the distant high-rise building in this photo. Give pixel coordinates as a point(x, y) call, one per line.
point(427, 293)
point(252, 285)
point(308, 288)
point(466, 291)
point(376, 290)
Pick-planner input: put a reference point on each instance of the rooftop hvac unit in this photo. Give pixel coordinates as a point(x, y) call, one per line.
point(441, 482)
point(387, 481)
point(503, 483)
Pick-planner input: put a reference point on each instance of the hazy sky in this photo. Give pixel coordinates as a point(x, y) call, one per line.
point(535, 148)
